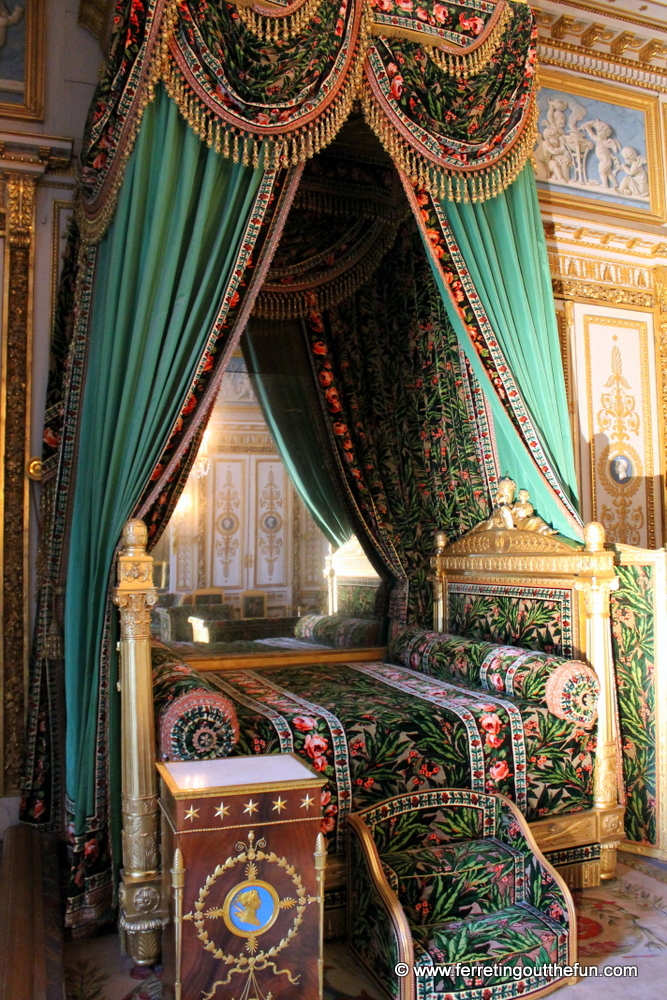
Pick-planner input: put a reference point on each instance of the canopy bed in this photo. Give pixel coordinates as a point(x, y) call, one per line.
point(472, 721)
point(354, 173)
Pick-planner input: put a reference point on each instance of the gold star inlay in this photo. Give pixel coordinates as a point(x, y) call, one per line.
point(192, 814)
point(250, 807)
point(222, 811)
point(279, 805)
point(307, 802)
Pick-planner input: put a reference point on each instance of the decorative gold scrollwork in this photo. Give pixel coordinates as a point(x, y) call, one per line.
point(243, 916)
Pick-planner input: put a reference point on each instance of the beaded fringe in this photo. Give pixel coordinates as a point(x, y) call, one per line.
point(275, 27)
point(243, 146)
point(467, 65)
point(295, 303)
point(440, 182)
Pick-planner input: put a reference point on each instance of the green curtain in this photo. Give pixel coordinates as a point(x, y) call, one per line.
point(277, 359)
point(160, 277)
point(502, 243)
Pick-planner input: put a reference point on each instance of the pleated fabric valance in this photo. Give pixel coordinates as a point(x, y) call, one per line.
point(448, 88)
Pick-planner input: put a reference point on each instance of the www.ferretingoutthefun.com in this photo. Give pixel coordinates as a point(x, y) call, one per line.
point(516, 972)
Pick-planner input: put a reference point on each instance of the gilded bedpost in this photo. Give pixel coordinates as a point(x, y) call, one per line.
point(597, 593)
point(142, 913)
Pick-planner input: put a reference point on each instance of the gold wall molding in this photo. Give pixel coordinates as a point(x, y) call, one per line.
point(660, 277)
point(625, 16)
point(591, 291)
point(24, 159)
point(578, 276)
point(16, 363)
point(582, 236)
point(632, 72)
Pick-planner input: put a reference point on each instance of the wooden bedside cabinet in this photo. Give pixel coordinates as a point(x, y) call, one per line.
point(243, 867)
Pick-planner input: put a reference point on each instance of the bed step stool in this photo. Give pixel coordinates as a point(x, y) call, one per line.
point(449, 877)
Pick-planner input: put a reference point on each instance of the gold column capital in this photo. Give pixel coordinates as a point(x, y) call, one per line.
point(20, 191)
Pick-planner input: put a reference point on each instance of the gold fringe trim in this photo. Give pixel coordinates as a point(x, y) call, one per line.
point(92, 230)
point(325, 203)
point(471, 64)
point(277, 29)
point(293, 304)
point(243, 146)
point(443, 182)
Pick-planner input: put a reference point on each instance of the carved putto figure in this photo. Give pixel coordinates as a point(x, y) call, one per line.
point(635, 182)
point(514, 514)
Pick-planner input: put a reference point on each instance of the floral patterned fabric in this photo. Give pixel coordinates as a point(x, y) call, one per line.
point(532, 617)
point(568, 688)
point(357, 600)
point(338, 631)
point(193, 720)
point(376, 730)
point(471, 887)
point(389, 373)
point(633, 637)
point(449, 262)
point(458, 104)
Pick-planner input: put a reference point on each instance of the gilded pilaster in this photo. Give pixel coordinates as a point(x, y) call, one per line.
point(16, 361)
point(142, 913)
point(660, 282)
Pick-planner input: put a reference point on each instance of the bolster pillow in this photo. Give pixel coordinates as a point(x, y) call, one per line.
point(568, 688)
point(193, 721)
point(338, 631)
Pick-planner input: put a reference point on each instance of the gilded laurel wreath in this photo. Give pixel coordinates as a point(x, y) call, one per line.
point(249, 964)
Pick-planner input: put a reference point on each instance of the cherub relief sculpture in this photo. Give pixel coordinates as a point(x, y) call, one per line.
point(508, 513)
point(568, 151)
point(604, 145)
point(635, 182)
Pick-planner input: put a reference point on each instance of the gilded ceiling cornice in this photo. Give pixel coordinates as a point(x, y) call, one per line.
point(617, 14)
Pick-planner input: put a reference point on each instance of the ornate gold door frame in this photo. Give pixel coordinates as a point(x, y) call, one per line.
point(23, 160)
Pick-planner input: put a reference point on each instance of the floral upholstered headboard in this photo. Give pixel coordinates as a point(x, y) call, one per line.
point(535, 616)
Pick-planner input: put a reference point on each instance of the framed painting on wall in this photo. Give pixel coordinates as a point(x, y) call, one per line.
point(598, 148)
point(22, 59)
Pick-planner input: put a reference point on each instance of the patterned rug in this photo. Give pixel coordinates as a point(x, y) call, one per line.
point(623, 922)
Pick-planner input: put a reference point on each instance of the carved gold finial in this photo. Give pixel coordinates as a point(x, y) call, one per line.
point(135, 537)
point(594, 535)
point(440, 540)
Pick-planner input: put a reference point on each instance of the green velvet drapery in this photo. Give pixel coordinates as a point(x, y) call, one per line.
point(161, 277)
point(277, 359)
point(502, 242)
point(490, 263)
point(391, 382)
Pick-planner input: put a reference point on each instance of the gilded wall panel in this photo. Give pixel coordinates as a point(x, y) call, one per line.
point(614, 374)
point(272, 523)
point(228, 511)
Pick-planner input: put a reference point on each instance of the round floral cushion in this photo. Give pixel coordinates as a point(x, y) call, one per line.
point(197, 725)
point(572, 693)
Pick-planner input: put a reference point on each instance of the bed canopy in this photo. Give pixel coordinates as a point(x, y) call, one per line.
point(356, 172)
